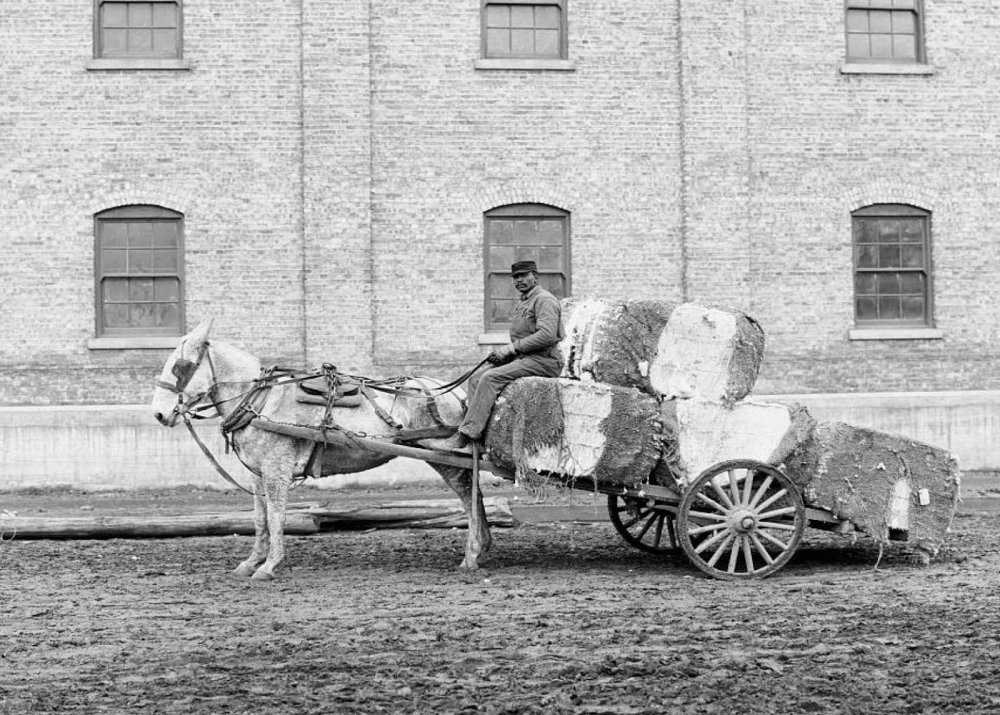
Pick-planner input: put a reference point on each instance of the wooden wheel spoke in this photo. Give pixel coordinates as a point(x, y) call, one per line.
point(777, 512)
point(761, 492)
point(733, 488)
point(635, 520)
point(707, 528)
point(712, 503)
point(719, 551)
point(761, 549)
point(747, 553)
point(707, 515)
point(724, 533)
point(652, 520)
point(747, 487)
point(773, 498)
point(659, 530)
point(723, 497)
point(774, 540)
point(641, 524)
point(734, 554)
point(776, 525)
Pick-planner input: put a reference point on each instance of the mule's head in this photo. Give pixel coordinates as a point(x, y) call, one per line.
point(186, 375)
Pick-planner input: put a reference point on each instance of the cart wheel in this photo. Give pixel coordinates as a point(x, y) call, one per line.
point(741, 520)
point(643, 526)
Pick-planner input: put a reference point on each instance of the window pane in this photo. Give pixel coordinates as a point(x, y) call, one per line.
point(903, 23)
point(911, 230)
point(857, 46)
point(140, 261)
point(547, 16)
point(116, 290)
point(911, 282)
point(116, 316)
point(912, 256)
point(867, 232)
point(904, 47)
point(113, 261)
point(888, 283)
point(522, 16)
point(501, 232)
point(857, 21)
point(165, 260)
point(553, 283)
point(903, 3)
point(164, 14)
point(888, 256)
point(167, 315)
point(500, 258)
point(142, 315)
point(865, 283)
point(881, 46)
point(140, 41)
point(497, 43)
point(115, 42)
point(879, 21)
point(501, 286)
point(164, 42)
point(165, 234)
point(550, 232)
point(497, 16)
point(166, 290)
point(867, 257)
point(522, 42)
point(527, 231)
point(550, 258)
point(140, 14)
point(889, 307)
point(547, 43)
point(113, 234)
point(141, 289)
point(500, 311)
point(865, 309)
point(913, 308)
point(114, 14)
point(888, 231)
point(140, 234)
point(526, 253)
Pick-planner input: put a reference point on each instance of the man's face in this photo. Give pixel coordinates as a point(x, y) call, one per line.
point(524, 282)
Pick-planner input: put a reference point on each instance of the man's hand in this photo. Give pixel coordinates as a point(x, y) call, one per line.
point(501, 355)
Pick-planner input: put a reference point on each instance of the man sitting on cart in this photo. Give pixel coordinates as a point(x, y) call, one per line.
point(535, 331)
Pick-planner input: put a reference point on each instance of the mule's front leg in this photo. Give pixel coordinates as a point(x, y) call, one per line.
point(261, 536)
point(479, 539)
point(276, 496)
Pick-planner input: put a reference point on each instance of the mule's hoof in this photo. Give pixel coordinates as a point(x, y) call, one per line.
point(244, 570)
point(262, 574)
point(469, 564)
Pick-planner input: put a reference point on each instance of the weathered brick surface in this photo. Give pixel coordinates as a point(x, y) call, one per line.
point(333, 162)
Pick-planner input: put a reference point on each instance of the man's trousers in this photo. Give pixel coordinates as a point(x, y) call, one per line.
point(485, 387)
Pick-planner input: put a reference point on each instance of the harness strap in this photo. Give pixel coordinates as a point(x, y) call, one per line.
point(208, 453)
point(379, 410)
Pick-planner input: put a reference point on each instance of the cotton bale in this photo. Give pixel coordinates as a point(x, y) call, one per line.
point(888, 486)
point(700, 433)
point(576, 429)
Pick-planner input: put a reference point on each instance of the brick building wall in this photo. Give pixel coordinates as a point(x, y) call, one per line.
point(333, 163)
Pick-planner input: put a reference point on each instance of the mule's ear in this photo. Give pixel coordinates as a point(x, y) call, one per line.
point(200, 333)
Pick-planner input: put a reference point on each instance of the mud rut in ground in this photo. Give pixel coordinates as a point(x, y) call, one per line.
point(562, 619)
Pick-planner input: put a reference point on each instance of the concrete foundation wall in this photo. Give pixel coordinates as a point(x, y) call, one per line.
point(121, 447)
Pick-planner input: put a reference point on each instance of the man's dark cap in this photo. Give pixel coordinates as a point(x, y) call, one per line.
point(523, 267)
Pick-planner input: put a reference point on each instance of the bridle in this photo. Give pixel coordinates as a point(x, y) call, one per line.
point(184, 371)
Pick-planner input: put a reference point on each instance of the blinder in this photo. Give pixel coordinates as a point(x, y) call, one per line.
point(184, 371)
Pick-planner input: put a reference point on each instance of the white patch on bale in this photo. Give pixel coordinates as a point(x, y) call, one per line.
point(899, 506)
point(710, 432)
point(695, 353)
point(584, 411)
point(577, 345)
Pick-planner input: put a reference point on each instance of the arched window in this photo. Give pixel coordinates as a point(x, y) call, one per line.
point(523, 232)
point(138, 260)
point(892, 266)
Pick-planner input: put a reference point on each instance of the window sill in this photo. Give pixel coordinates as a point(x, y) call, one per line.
point(494, 339)
point(886, 68)
point(515, 63)
point(138, 63)
point(126, 343)
point(895, 334)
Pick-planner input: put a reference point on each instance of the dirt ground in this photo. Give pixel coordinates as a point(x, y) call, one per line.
point(563, 618)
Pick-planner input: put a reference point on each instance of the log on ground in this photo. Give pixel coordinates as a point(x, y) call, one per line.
point(662, 348)
point(570, 428)
point(705, 433)
point(888, 486)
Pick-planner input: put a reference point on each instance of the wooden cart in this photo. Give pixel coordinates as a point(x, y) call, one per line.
point(740, 519)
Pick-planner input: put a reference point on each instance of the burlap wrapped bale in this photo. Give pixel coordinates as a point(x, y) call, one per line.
point(887, 486)
point(707, 353)
point(543, 426)
point(706, 433)
point(662, 348)
point(613, 341)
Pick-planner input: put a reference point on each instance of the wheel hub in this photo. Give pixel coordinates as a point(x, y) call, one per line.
point(742, 520)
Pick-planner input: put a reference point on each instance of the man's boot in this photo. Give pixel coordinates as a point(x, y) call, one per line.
point(458, 442)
